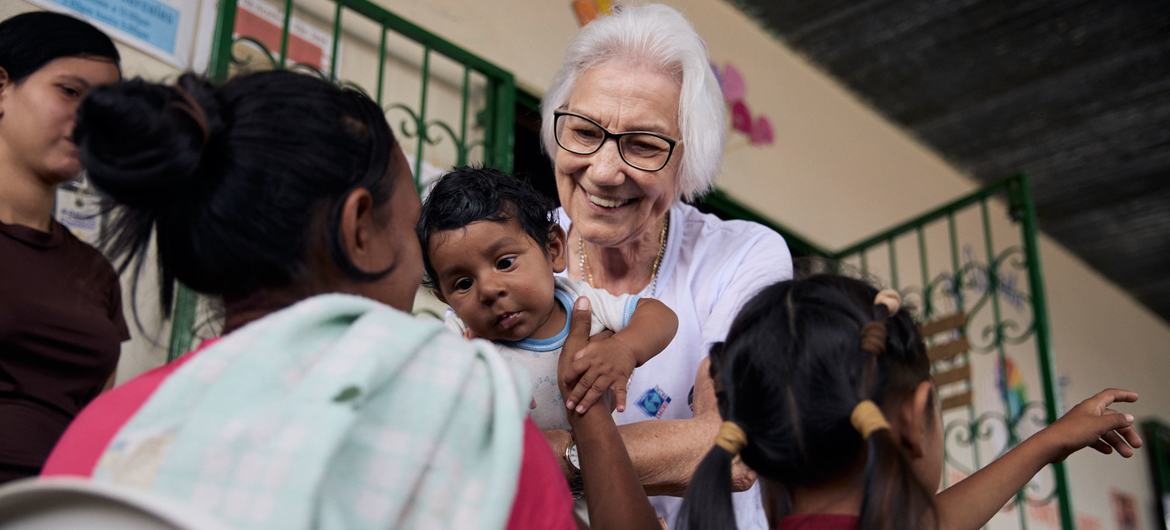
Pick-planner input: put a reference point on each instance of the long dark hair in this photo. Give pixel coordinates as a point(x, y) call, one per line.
point(789, 374)
point(31, 40)
point(237, 182)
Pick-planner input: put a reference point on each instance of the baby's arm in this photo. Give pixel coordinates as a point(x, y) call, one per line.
point(607, 364)
point(972, 502)
point(650, 330)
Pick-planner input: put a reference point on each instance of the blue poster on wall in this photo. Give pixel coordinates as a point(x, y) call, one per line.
point(150, 21)
point(164, 28)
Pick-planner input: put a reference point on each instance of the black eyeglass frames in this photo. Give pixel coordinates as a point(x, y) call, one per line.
point(644, 150)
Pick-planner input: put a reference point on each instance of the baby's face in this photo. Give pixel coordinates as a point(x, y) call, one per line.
point(498, 279)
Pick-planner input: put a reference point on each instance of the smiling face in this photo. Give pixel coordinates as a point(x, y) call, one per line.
point(498, 279)
point(37, 115)
point(610, 202)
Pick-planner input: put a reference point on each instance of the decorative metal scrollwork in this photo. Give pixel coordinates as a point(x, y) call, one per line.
point(413, 127)
point(1035, 414)
point(967, 433)
point(250, 54)
point(244, 61)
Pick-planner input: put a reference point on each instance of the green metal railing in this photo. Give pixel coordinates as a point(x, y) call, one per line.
point(980, 287)
point(1156, 438)
point(976, 287)
point(493, 122)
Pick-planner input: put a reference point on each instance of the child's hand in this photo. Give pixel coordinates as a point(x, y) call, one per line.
point(605, 364)
point(1093, 424)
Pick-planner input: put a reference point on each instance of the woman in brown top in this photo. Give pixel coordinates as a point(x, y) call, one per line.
point(61, 322)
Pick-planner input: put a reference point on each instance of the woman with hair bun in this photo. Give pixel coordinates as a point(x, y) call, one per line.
point(61, 324)
point(325, 404)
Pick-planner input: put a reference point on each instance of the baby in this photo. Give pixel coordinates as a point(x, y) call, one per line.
point(491, 247)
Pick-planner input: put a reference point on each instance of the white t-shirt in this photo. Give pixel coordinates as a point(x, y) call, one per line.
point(539, 357)
point(710, 268)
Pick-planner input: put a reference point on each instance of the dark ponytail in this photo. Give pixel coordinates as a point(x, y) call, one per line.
point(894, 498)
point(797, 360)
point(236, 182)
point(707, 503)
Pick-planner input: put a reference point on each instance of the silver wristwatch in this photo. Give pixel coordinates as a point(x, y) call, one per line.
point(572, 458)
point(576, 483)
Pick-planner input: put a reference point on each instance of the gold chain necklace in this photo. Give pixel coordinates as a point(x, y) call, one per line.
point(587, 272)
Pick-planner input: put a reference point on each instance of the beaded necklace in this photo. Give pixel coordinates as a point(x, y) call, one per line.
point(587, 272)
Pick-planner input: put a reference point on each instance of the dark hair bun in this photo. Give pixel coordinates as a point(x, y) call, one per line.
point(235, 182)
point(143, 143)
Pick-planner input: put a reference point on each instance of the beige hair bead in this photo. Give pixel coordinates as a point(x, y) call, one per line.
point(867, 418)
point(889, 298)
point(731, 437)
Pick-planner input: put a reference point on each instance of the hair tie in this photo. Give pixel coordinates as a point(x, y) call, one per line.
point(873, 338)
point(873, 334)
point(192, 108)
point(731, 437)
point(867, 418)
point(889, 298)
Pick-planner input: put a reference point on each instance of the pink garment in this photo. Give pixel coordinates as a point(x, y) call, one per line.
point(542, 495)
point(819, 522)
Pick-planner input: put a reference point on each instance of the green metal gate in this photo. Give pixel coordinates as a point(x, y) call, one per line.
point(976, 256)
point(478, 126)
point(958, 259)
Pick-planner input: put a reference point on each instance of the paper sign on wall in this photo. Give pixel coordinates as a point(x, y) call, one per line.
point(79, 208)
point(163, 28)
point(263, 21)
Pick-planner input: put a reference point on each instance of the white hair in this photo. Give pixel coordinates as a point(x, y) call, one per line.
point(659, 36)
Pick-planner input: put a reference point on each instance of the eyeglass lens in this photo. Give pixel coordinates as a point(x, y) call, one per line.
point(583, 137)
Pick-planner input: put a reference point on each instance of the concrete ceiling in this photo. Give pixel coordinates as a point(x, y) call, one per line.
point(1075, 93)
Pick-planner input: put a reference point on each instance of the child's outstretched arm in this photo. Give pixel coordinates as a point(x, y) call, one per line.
point(607, 364)
point(612, 492)
point(972, 502)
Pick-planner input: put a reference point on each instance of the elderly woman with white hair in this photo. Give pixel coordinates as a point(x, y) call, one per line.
point(641, 77)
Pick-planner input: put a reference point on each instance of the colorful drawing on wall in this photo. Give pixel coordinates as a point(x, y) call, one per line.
point(1012, 387)
point(1044, 515)
point(758, 129)
point(587, 10)
point(1088, 522)
point(1124, 510)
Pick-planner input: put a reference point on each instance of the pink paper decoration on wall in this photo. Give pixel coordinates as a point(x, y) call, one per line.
point(762, 131)
point(731, 82)
point(734, 88)
point(741, 117)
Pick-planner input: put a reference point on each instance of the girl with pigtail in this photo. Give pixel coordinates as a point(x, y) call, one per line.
point(824, 387)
